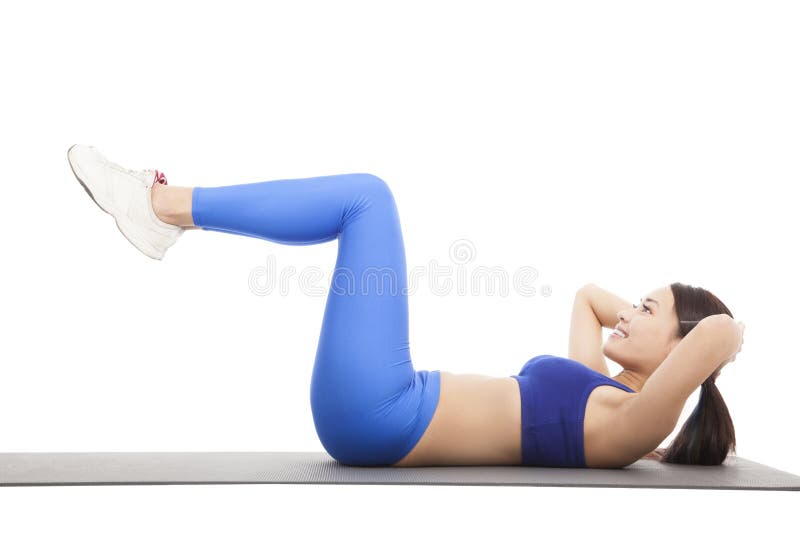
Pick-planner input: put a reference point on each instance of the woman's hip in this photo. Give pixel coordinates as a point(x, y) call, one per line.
point(374, 420)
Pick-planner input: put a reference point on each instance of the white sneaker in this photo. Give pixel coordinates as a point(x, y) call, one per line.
point(125, 195)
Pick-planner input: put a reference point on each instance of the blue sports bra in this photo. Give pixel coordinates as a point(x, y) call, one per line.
point(554, 391)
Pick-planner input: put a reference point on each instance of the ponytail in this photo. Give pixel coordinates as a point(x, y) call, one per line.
point(707, 436)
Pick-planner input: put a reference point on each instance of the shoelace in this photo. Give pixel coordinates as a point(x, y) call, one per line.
point(160, 178)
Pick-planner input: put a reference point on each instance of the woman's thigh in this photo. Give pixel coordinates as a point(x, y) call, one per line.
point(370, 405)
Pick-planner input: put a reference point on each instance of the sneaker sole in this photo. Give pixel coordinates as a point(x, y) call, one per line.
point(129, 232)
point(77, 177)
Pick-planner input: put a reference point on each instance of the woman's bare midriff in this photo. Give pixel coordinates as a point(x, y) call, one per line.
point(478, 421)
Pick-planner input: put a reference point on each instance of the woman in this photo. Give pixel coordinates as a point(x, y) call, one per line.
point(371, 407)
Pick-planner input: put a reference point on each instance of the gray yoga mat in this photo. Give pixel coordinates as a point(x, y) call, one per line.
point(125, 468)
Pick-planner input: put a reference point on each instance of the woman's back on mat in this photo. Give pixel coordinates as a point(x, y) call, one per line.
point(372, 407)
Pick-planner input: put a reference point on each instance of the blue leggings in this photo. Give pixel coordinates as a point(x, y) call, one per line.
point(370, 406)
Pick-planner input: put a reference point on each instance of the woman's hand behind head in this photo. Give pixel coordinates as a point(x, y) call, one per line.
point(740, 334)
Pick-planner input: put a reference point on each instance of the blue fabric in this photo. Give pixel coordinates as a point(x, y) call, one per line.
point(369, 405)
point(553, 392)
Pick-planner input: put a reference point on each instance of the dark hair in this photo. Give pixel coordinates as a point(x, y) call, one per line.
point(708, 435)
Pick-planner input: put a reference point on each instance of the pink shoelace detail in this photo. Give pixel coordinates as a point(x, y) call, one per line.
point(160, 178)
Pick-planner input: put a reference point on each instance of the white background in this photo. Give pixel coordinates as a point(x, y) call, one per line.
point(629, 144)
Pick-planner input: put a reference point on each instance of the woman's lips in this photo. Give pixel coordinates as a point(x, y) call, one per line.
point(617, 333)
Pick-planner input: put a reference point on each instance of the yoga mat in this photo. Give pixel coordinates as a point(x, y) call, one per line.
point(126, 468)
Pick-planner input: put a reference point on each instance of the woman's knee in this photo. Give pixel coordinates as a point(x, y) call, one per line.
point(375, 181)
point(373, 185)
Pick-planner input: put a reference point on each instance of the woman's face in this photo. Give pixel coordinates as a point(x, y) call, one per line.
point(651, 326)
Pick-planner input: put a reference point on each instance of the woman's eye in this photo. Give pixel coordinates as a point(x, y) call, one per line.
point(643, 306)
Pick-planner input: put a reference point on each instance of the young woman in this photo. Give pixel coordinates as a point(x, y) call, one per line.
point(369, 404)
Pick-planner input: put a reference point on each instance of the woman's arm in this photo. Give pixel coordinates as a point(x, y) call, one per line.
point(592, 309)
point(605, 304)
point(586, 336)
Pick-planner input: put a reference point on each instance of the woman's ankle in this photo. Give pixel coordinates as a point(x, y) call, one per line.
point(172, 204)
